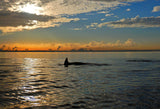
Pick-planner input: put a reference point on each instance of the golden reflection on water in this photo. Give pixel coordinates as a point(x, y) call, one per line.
point(39, 80)
point(30, 63)
point(40, 84)
point(29, 67)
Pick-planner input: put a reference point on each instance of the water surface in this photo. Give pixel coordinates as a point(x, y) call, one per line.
point(38, 80)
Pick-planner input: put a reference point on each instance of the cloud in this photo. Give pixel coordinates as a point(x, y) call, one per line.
point(128, 9)
point(32, 14)
point(59, 47)
point(119, 0)
point(77, 29)
point(34, 24)
point(100, 45)
point(92, 26)
point(62, 7)
point(93, 45)
point(65, 7)
point(156, 9)
point(118, 43)
point(107, 15)
point(15, 19)
point(102, 19)
point(103, 12)
point(143, 22)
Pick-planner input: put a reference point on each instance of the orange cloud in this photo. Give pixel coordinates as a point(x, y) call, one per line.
point(93, 45)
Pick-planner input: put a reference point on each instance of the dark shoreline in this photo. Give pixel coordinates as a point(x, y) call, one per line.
point(91, 51)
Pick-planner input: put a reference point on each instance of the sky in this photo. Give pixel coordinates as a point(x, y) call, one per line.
point(79, 25)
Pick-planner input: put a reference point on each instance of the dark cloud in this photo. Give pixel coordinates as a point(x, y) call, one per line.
point(59, 47)
point(134, 22)
point(14, 19)
point(46, 1)
point(4, 4)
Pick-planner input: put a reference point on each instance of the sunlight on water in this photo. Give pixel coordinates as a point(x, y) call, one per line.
point(40, 80)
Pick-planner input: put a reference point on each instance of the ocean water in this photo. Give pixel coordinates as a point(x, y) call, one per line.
point(38, 80)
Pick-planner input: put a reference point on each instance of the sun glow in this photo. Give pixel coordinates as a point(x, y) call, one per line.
point(31, 8)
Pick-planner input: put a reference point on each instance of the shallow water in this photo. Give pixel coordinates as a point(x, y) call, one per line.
point(38, 80)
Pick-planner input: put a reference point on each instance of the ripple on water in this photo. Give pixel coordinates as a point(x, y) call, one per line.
point(30, 93)
point(38, 83)
point(40, 80)
point(60, 86)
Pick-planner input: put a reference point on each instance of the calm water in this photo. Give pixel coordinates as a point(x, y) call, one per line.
point(38, 80)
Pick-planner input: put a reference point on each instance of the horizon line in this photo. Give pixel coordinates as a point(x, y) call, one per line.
point(80, 50)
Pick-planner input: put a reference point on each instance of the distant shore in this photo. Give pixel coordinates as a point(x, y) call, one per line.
point(84, 51)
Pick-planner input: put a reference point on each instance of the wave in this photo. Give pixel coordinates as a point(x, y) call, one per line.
point(142, 60)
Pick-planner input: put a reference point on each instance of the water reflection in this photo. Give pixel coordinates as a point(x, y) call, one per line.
point(28, 90)
point(41, 82)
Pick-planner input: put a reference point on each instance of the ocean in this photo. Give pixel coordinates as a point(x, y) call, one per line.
point(39, 80)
